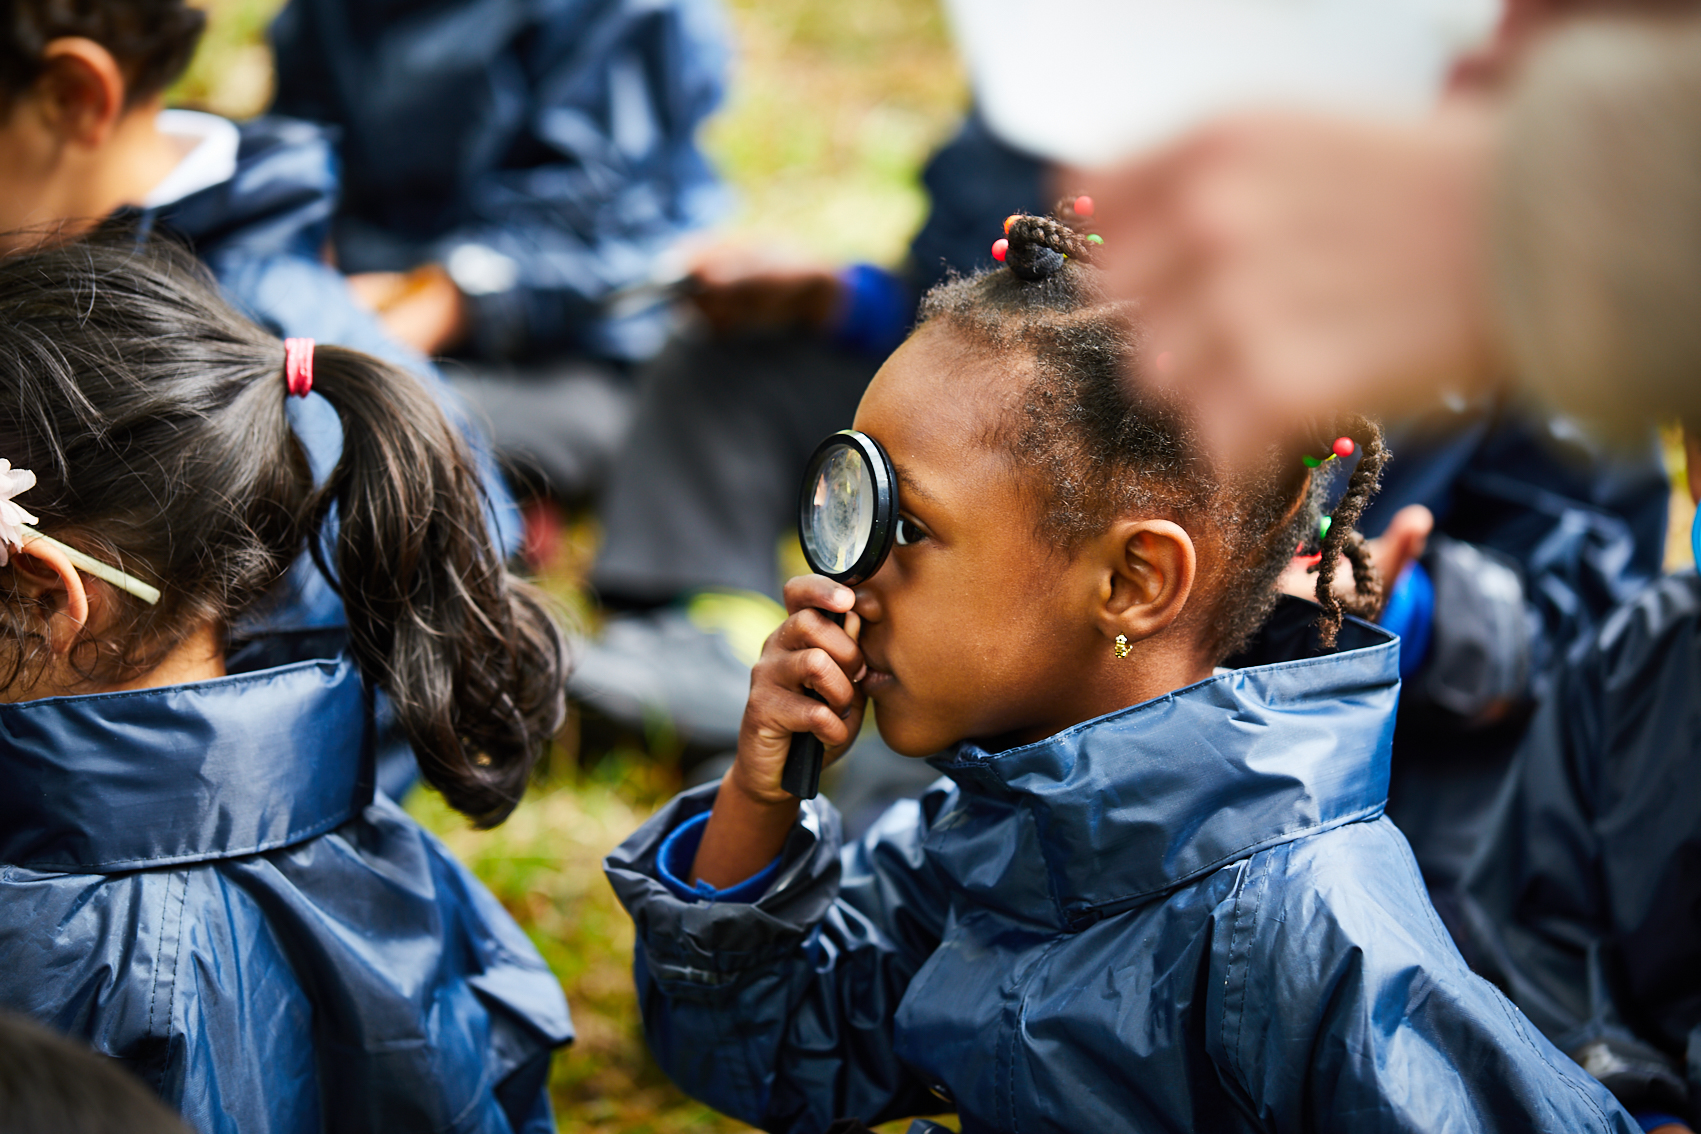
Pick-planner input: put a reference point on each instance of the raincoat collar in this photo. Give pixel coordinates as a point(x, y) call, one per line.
point(213, 769)
point(1113, 811)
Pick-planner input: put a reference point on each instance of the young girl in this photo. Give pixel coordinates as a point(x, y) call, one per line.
point(197, 877)
point(1157, 890)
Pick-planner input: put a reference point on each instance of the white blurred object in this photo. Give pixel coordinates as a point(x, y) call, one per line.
point(1085, 81)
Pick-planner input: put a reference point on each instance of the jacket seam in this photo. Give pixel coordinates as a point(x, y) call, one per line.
point(1253, 901)
point(156, 1027)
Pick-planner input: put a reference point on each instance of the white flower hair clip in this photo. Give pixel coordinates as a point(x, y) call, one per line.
point(15, 532)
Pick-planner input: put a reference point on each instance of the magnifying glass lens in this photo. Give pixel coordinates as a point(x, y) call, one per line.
point(839, 520)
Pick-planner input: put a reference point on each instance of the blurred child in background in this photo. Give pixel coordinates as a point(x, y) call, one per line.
point(513, 174)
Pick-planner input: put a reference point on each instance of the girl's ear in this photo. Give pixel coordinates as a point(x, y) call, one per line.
point(44, 573)
point(1151, 568)
point(82, 88)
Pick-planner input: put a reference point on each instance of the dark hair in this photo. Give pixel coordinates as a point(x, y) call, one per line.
point(152, 40)
point(49, 1085)
point(1095, 445)
point(154, 418)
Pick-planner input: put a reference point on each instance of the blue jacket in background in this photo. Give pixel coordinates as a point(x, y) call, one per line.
point(1584, 900)
point(263, 234)
point(199, 881)
point(1187, 915)
point(1540, 535)
point(543, 150)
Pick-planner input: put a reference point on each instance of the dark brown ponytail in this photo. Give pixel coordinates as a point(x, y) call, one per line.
point(157, 422)
point(473, 664)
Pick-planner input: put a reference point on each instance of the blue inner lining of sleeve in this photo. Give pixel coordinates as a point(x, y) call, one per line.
point(679, 851)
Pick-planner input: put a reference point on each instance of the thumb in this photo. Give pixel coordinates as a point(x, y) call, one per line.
point(1404, 541)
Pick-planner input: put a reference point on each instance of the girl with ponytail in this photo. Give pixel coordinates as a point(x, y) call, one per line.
point(1157, 890)
point(196, 874)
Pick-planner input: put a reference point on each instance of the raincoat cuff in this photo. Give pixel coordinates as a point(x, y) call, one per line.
point(1410, 613)
point(686, 939)
point(873, 313)
point(1653, 1120)
point(678, 853)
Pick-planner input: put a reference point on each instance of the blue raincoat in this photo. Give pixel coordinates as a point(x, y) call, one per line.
point(199, 881)
point(544, 150)
point(1584, 900)
point(1187, 915)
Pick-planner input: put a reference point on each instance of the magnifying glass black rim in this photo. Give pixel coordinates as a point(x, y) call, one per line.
point(885, 526)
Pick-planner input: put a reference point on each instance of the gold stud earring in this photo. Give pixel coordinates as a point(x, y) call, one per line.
point(1121, 645)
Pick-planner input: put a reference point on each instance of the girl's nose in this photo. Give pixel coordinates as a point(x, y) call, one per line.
point(868, 606)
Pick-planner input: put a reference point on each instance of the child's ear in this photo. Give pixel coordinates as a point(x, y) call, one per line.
point(43, 572)
point(81, 89)
point(1151, 568)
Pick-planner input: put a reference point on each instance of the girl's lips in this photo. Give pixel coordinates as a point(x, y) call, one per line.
point(875, 680)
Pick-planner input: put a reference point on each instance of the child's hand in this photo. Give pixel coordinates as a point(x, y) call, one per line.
point(808, 653)
point(753, 814)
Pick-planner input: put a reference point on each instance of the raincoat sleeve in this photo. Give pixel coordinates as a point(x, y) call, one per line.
point(780, 1011)
point(1341, 1003)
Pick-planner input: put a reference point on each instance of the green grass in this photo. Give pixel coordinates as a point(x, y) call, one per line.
point(833, 108)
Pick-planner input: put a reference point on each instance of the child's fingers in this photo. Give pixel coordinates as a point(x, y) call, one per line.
point(817, 592)
point(813, 630)
point(772, 717)
point(785, 712)
point(806, 671)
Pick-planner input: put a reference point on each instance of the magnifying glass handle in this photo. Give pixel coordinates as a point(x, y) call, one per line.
point(802, 774)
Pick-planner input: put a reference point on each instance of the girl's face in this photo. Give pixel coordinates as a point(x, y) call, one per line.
point(975, 627)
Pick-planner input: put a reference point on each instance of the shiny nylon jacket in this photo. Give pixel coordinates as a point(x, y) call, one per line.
point(198, 881)
point(1584, 900)
point(555, 138)
point(1187, 915)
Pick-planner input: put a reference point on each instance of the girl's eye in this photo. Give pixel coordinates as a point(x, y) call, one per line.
point(908, 532)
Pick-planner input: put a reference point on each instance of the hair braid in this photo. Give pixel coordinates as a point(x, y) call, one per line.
point(1344, 539)
point(1039, 246)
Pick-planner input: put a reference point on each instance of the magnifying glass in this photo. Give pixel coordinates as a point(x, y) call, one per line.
point(847, 517)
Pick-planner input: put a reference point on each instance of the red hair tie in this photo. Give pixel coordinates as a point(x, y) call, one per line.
point(298, 366)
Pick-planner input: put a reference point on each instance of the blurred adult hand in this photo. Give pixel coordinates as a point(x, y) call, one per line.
point(1291, 265)
point(422, 309)
point(744, 289)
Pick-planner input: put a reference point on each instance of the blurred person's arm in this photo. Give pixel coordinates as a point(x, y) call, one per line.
point(1291, 264)
point(754, 290)
point(1597, 221)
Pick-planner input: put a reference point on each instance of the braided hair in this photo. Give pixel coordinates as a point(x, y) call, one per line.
point(1093, 446)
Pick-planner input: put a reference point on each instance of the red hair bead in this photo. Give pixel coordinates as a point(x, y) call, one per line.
point(1343, 447)
point(999, 248)
point(1083, 206)
point(1010, 220)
